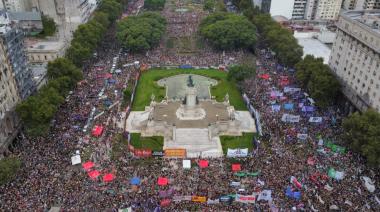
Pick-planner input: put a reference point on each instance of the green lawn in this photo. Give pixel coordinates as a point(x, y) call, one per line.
point(148, 85)
point(154, 143)
point(234, 142)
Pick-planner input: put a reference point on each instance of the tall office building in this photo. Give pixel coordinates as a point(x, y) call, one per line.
point(328, 9)
point(9, 123)
point(355, 57)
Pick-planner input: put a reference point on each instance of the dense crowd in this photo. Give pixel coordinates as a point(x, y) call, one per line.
point(182, 45)
point(47, 177)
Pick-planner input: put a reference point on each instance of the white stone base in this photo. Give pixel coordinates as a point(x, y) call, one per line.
point(195, 113)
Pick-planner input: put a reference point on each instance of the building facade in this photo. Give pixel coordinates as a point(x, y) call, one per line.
point(361, 4)
point(306, 9)
point(13, 5)
point(13, 41)
point(355, 57)
point(9, 123)
point(44, 51)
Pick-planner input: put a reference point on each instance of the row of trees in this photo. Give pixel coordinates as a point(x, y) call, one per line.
point(317, 79)
point(362, 134)
point(63, 73)
point(227, 31)
point(87, 37)
point(279, 40)
point(154, 4)
point(142, 32)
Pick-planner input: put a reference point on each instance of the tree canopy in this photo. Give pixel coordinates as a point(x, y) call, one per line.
point(228, 31)
point(240, 72)
point(8, 167)
point(279, 39)
point(37, 111)
point(49, 26)
point(317, 78)
point(112, 8)
point(154, 4)
point(142, 32)
point(363, 134)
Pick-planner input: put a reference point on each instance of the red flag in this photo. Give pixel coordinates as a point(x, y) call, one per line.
point(203, 163)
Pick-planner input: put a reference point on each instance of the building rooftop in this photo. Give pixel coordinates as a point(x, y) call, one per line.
point(33, 45)
point(369, 18)
point(313, 46)
point(25, 16)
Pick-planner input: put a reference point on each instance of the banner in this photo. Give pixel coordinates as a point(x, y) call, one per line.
point(288, 106)
point(235, 184)
point(200, 199)
point(178, 153)
point(290, 118)
point(315, 119)
point(143, 152)
point(212, 202)
point(233, 153)
point(158, 154)
point(265, 195)
point(225, 199)
point(181, 198)
point(291, 90)
point(245, 198)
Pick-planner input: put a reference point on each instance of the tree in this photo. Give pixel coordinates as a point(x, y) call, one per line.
point(111, 7)
point(241, 72)
point(142, 32)
point(8, 166)
point(363, 134)
point(228, 31)
point(49, 26)
point(209, 5)
point(63, 67)
point(280, 40)
point(317, 78)
point(154, 4)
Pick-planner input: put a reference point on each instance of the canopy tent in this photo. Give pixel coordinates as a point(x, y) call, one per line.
point(135, 181)
point(162, 181)
point(108, 177)
point(203, 163)
point(236, 167)
point(88, 165)
point(97, 130)
point(94, 174)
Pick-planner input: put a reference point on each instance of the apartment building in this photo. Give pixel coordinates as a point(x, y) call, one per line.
point(355, 57)
point(361, 4)
point(13, 41)
point(306, 9)
point(9, 123)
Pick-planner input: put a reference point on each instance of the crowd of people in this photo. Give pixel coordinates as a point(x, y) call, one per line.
point(182, 45)
point(283, 162)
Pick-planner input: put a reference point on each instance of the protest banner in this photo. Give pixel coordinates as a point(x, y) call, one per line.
point(235, 184)
point(235, 153)
point(290, 118)
point(245, 198)
point(315, 119)
point(177, 153)
point(143, 152)
point(200, 199)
